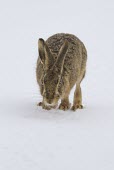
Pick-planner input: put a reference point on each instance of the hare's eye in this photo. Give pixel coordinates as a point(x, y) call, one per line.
point(45, 81)
point(57, 95)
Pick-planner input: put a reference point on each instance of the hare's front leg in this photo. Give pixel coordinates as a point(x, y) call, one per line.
point(65, 104)
point(43, 106)
point(40, 104)
point(77, 103)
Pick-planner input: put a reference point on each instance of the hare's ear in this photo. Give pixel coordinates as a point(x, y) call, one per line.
point(61, 55)
point(45, 53)
point(41, 50)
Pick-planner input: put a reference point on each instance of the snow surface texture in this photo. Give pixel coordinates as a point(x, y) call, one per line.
point(30, 137)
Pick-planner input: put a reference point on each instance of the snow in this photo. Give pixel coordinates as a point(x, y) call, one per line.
point(33, 138)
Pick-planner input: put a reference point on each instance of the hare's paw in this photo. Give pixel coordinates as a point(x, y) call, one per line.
point(40, 104)
point(64, 106)
point(43, 106)
point(46, 107)
point(77, 106)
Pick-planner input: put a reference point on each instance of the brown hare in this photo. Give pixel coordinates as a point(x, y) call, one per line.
point(61, 64)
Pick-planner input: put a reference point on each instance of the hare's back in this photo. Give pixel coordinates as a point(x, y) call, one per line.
point(75, 49)
point(56, 41)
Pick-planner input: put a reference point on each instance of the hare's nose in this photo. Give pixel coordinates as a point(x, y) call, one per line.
point(50, 102)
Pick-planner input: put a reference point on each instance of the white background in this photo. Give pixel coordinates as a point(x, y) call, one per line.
point(32, 138)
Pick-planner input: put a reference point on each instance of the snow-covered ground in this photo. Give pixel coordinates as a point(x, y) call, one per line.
point(30, 137)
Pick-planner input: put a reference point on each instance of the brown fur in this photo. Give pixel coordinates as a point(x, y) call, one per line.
point(61, 64)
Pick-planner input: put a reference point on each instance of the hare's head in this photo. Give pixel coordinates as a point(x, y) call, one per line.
point(52, 72)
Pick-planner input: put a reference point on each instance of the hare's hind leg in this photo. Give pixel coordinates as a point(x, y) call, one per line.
point(77, 103)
